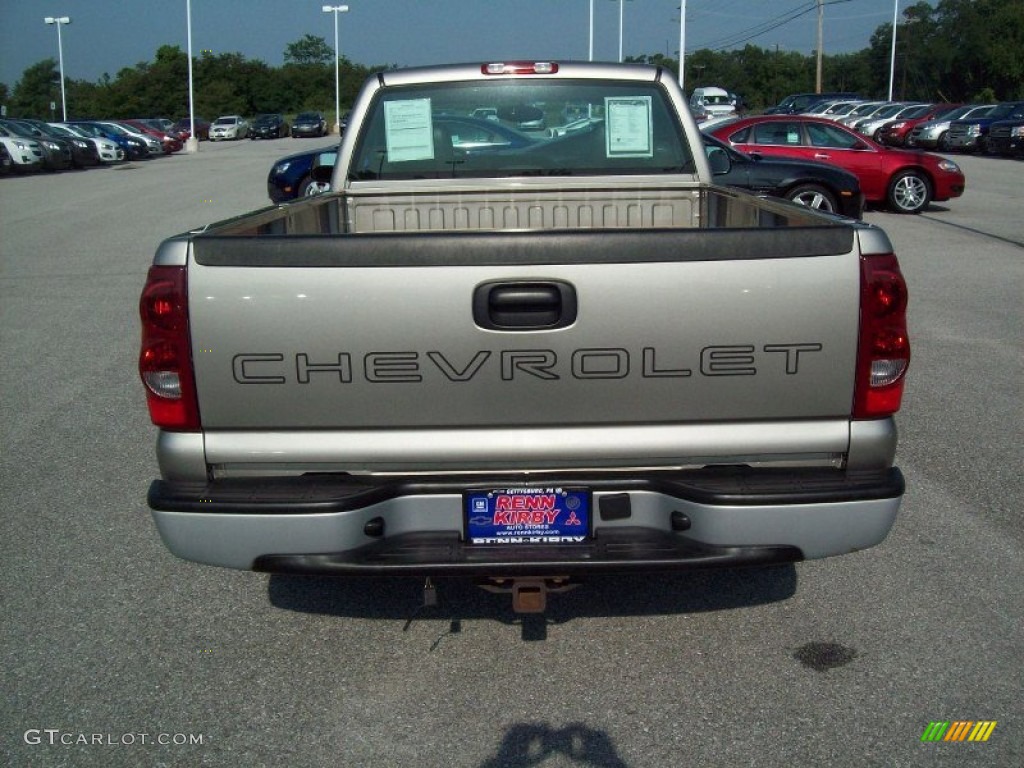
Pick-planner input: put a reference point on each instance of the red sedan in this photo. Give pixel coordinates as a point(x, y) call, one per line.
point(170, 143)
point(907, 181)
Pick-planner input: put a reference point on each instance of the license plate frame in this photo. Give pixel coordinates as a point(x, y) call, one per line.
point(523, 515)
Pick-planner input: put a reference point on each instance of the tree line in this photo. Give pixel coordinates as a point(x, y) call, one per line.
point(957, 50)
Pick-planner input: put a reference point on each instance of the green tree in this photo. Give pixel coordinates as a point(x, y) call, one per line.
point(309, 49)
point(38, 88)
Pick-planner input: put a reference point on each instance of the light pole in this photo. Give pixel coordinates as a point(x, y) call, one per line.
point(336, 9)
point(682, 46)
point(892, 63)
point(192, 143)
point(622, 5)
point(59, 20)
point(590, 54)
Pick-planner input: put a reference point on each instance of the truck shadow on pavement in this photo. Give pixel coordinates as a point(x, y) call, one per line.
point(597, 596)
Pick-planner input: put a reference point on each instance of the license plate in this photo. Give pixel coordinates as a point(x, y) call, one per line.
point(541, 515)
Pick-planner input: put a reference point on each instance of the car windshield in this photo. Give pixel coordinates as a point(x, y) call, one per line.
point(308, 117)
point(225, 121)
point(16, 129)
point(116, 128)
point(1011, 109)
point(411, 132)
point(889, 111)
point(865, 109)
point(920, 111)
point(265, 119)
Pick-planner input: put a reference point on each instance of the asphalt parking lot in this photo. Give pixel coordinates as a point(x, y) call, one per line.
point(117, 654)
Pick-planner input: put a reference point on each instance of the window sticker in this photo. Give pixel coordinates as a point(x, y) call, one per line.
point(629, 128)
point(408, 130)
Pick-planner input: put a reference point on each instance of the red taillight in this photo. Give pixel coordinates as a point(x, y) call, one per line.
point(884, 350)
point(165, 362)
point(520, 68)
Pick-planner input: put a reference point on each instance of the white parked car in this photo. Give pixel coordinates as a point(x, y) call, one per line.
point(715, 102)
point(108, 151)
point(229, 127)
point(26, 154)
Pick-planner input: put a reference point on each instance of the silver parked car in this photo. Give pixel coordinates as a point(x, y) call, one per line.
point(934, 134)
point(229, 127)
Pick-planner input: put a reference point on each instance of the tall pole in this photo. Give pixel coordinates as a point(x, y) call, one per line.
point(590, 49)
point(892, 61)
point(821, 29)
point(192, 144)
point(60, 20)
point(682, 45)
point(336, 9)
point(622, 5)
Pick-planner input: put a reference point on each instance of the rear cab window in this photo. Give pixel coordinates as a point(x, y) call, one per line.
point(555, 128)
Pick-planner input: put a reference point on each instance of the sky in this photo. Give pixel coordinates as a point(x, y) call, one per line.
point(107, 35)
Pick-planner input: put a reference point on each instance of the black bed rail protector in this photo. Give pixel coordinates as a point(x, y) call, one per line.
point(458, 249)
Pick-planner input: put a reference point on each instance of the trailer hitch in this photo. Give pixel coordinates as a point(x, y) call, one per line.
point(529, 595)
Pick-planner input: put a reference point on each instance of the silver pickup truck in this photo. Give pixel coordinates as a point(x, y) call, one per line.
point(524, 361)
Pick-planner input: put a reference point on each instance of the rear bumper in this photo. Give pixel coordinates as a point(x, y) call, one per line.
point(341, 525)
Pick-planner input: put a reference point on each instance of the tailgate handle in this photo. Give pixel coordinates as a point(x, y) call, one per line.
point(524, 305)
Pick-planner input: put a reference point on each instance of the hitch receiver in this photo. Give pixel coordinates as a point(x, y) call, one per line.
point(529, 595)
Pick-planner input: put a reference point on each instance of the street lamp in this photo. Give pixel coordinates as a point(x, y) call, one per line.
point(622, 4)
point(59, 20)
point(192, 143)
point(892, 62)
point(590, 54)
point(336, 9)
point(682, 45)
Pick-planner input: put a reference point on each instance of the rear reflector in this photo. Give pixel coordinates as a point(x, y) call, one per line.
point(520, 68)
point(884, 349)
point(165, 361)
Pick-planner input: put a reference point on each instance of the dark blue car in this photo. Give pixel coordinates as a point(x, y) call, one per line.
point(290, 177)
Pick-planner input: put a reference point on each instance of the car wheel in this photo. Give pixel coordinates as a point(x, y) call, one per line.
point(909, 192)
point(813, 196)
point(311, 187)
point(943, 141)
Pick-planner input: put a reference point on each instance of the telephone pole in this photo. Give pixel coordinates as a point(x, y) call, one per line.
point(821, 28)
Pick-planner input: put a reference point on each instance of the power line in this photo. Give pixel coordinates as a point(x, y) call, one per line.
point(756, 31)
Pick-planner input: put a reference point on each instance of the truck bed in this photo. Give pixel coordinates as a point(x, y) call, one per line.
point(649, 205)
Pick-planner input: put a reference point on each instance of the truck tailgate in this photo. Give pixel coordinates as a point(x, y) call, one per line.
point(482, 330)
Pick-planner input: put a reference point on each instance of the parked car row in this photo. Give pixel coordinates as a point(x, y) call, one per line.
point(31, 145)
point(998, 132)
point(996, 129)
point(39, 145)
